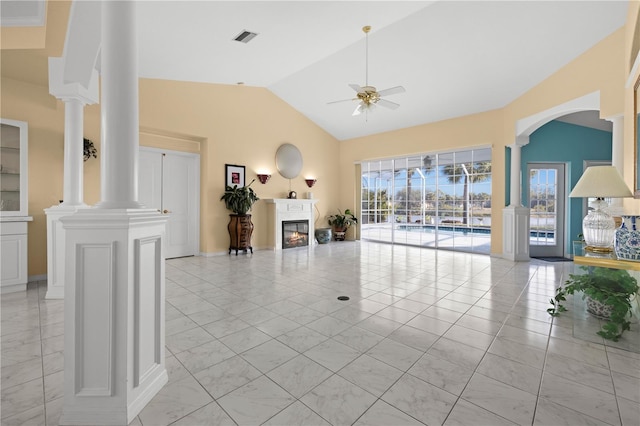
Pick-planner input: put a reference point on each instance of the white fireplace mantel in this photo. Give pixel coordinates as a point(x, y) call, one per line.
point(285, 209)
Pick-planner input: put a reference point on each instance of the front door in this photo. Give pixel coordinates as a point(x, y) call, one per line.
point(547, 209)
point(169, 182)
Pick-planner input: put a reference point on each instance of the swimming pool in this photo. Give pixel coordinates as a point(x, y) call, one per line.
point(466, 230)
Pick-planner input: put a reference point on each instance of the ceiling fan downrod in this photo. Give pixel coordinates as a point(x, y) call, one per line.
point(366, 30)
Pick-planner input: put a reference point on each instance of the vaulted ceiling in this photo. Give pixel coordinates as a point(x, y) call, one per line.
point(453, 57)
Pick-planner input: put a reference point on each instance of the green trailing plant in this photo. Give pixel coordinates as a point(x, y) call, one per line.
point(612, 287)
point(342, 220)
point(239, 199)
point(89, 149)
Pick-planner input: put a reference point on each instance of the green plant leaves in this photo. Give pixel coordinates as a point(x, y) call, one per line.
point(239, 199)
point(612, 287)
point(342, 221)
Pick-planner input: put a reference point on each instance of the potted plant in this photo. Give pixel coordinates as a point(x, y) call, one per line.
point(341, 222)
point(240, 200)
point(89, 149)
point(609, 294)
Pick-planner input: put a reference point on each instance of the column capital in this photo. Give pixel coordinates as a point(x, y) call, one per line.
point(521, 140)
point(614, 118)
point(68, 90)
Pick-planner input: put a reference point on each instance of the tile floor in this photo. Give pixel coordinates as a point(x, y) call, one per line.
point(428, 337)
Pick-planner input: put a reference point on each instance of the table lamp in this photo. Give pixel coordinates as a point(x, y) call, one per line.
point(598, 226)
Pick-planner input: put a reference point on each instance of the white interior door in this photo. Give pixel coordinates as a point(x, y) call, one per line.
point(169, 181)
point(150, 179)
point(547, 204)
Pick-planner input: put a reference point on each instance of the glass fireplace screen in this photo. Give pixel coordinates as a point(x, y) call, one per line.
point(295, 233)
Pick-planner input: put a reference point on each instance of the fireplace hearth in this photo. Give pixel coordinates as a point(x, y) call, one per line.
point(295, 233)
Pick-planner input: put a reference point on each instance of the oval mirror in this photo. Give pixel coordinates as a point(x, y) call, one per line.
point(288, 161)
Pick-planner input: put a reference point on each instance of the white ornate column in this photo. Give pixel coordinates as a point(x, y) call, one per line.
point(75, 97)
point(515, 217)
point(617, 158)
point(114, 294)
point(119, 105)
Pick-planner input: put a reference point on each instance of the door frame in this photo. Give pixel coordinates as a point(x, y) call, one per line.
point(561, 238)
point(196, 189)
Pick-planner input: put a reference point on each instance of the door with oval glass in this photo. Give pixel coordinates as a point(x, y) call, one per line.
point(169, 181)
point(546, 182)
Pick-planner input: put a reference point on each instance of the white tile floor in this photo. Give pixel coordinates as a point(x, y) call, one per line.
point(428, 337)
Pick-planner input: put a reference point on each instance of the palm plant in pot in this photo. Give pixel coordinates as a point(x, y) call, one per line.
point(240, 200)
point(341, 222)
point(610, 294)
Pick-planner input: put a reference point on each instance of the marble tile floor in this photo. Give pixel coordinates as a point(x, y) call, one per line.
point(427, 338)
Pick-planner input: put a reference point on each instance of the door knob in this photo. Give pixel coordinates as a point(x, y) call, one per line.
point(165, 211)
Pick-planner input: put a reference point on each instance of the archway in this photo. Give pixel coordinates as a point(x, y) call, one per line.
point(517, 217)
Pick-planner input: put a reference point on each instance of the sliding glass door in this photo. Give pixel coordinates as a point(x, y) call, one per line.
point(440, 200)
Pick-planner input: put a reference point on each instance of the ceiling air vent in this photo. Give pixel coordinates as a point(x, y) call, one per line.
point(245, 36)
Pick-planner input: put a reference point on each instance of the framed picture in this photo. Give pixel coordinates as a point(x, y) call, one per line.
point(234, 175)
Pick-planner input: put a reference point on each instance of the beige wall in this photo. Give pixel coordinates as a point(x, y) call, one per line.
point(245, 125)
point(241, 125)
point(595, 70)
point(477, 130)
point(217, 121)
point(632, 40)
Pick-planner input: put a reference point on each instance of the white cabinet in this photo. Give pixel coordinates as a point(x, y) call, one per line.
point(13, 168)
point(13, 205)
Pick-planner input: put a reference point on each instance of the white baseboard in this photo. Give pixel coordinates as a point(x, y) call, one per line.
point(34, 278)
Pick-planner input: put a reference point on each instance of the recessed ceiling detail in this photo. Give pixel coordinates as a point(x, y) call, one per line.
point(245, 36)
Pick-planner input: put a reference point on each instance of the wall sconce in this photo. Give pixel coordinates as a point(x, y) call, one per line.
point(310, 182)
point(263, 178)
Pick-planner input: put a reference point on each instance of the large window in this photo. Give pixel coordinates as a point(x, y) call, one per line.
point(438, 200)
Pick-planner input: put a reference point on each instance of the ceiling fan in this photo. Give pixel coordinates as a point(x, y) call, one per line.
point(368, 96)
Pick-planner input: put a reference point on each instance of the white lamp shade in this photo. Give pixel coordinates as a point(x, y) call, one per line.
point(601, 182)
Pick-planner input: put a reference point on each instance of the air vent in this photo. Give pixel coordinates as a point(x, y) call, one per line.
point(245, 36)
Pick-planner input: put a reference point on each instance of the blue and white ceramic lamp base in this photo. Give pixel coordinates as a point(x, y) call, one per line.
point(627, 242)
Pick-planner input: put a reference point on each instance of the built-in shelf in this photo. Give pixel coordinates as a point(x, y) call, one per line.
point(13, 206)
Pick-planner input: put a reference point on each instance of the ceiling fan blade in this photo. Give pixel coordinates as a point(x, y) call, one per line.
point(342, 100)
point(357, 88)
point(358, 109)
point(387, 104)
point(391, 91)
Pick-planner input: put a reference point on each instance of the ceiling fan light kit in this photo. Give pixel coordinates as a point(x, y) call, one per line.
point(368, 96)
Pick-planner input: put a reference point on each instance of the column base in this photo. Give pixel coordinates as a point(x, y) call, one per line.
point(114, 314)
point(55, 248)
point(515, 233)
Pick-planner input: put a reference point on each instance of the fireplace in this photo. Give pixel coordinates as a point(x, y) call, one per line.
point(281, 210)
point(295, 233)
